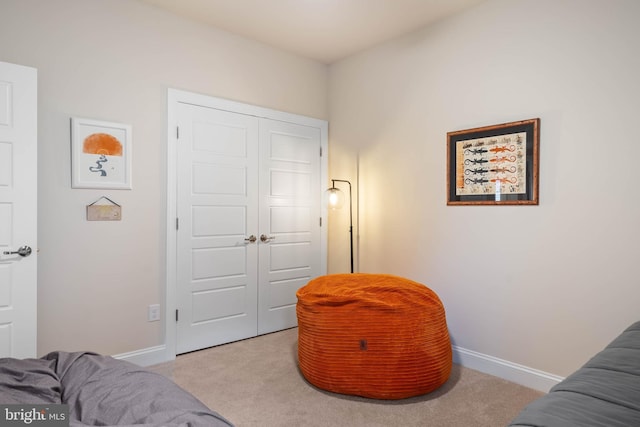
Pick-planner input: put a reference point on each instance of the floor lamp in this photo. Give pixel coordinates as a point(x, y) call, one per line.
point(335, 199)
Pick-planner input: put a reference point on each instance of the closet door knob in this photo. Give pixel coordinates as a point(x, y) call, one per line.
point(264, 238)
point(251, 239)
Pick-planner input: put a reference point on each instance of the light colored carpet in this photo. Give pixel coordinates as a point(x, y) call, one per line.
point(256, 382)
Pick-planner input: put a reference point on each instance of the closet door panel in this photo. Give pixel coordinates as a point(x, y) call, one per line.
point(292, 219)
point(218, 211)
point(289, 219)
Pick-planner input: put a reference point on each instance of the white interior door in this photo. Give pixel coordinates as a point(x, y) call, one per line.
point(218, 214)
point(290, 215)
point(238, 173)
point(18, 211)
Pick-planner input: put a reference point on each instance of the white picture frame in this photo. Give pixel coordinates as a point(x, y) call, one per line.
point(100, 154)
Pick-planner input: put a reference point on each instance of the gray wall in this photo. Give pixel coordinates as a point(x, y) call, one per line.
point(542, 286)
point(114, 60)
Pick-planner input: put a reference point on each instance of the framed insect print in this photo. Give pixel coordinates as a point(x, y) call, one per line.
point(494, 165)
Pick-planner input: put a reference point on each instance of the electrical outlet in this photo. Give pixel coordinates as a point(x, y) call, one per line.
point(154, 312)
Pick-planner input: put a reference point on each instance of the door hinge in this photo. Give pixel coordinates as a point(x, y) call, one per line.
point(320, 221)
point(177, 132)
point(177, 223)
point(176, 315)
point(320, 151)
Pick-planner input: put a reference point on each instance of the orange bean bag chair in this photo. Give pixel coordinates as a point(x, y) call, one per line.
point(372, 335)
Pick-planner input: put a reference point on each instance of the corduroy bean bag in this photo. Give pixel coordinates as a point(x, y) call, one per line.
point(372, 335)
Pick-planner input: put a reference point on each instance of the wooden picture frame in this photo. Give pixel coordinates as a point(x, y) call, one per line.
point(494, 165)
point(100, 154)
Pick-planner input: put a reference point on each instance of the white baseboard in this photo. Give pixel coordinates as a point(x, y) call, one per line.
point(146, 356)
point(523, 375)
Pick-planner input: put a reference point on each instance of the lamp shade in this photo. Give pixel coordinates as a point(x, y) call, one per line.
point(334, 198)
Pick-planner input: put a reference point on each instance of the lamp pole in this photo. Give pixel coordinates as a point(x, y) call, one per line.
point(333, 184)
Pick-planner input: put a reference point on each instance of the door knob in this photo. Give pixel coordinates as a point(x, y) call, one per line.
point(22, 251)
point(264, 238)
point(251, 239)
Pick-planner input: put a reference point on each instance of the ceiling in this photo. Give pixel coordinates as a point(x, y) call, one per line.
point(324, 30)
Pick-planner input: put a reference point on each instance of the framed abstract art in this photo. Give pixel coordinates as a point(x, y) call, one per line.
point(100, 154)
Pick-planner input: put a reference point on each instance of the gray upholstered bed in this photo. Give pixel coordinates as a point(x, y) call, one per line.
point(104, 391)
point(605, 392)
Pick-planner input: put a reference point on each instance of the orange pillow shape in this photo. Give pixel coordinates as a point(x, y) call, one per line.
point(372, 335)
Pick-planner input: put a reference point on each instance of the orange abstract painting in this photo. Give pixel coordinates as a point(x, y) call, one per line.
point(100, 154)
point(102, 143)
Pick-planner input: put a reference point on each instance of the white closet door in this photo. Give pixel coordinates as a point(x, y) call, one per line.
point(290, 250)
point(248, 206)
point(217, 260)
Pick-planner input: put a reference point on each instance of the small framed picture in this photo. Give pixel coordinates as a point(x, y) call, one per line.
point(494, 165)
point(100, 154)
